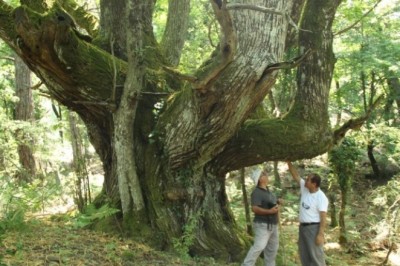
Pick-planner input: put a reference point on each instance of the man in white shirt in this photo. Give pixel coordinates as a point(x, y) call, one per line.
point(313, 208)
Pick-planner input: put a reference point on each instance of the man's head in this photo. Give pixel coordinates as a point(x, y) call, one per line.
point(259, 177)
point(313, 181)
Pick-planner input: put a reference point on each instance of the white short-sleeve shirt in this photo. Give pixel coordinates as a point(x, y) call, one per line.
point(311, 204)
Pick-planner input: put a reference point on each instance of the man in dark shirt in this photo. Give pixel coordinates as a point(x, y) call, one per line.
point(265, 206)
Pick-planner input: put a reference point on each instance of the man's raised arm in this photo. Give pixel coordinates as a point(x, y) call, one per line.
point(294, 172)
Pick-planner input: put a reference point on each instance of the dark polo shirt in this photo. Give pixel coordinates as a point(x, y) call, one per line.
point(266, 200)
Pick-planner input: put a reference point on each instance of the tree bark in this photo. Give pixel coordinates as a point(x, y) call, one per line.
point(394, 97)
point(175, 31)
point(165, 159)
point(246, 204)
point(371, 157)
point(24, 112)
point(342, 212)
point(82, 186)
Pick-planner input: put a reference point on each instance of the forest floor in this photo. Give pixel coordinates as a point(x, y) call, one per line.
point(53, 241)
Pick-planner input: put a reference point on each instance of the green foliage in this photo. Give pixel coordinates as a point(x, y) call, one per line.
point(17, 201)
point(183, 244)
point(91, 215)
point(202, 32)
point(291, 207)
point(387, 199)
point(370, 46)
point(343, 159)
point(386, 139)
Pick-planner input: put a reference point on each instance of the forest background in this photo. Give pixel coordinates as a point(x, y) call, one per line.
point(48, 165)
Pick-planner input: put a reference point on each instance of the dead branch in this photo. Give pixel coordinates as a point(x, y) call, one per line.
point(355, 124)
point(7, 58)
point(37, 85)
point(287, 64)
point(283, 65)
point(358, 21)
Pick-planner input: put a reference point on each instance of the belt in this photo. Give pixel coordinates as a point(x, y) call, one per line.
point(307, 224)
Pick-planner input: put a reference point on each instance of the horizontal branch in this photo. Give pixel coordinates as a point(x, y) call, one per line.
point(288, 64)
point(282, 65)
point(355, 124)
point(180, 75)
point(281, 139)
point(254, 7)
point(7, 58)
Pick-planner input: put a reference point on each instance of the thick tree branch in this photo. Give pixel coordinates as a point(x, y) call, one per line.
point(193, 118)
point(273, 140)
point(227, 47)
point(180, 75)
point(83, 19)
point(56, 50)
point(175, 32)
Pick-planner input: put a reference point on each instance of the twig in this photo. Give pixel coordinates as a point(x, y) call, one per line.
point(37, 85)
point(8, 58)
point(355, 123)
point(358, 21)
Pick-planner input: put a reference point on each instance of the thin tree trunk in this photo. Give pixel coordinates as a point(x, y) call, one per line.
point(82, 188)
point(24, 112)
point(339, 103)
point(342, 212)
point(277, 178)
point(58, 113)
point(246, 202)
point(332, 209)
point(374, 163)
point(394, 96)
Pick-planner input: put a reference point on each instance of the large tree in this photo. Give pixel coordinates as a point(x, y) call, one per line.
point(167, 138)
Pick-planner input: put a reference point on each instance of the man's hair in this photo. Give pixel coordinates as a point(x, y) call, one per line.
point(315, 178)
point(263, 173)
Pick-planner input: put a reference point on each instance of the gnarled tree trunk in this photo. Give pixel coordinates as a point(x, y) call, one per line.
point(165, 158)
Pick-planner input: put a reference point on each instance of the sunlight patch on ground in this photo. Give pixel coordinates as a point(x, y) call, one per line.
point(332, 245)
point(394, 258)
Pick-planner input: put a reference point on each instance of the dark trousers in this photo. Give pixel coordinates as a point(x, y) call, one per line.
point(310, 253)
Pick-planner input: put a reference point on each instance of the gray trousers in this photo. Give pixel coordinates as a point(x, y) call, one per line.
point(310, 253)
point(266, 238)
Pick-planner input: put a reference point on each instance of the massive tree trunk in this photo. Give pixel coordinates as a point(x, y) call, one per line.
point(165, 158)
